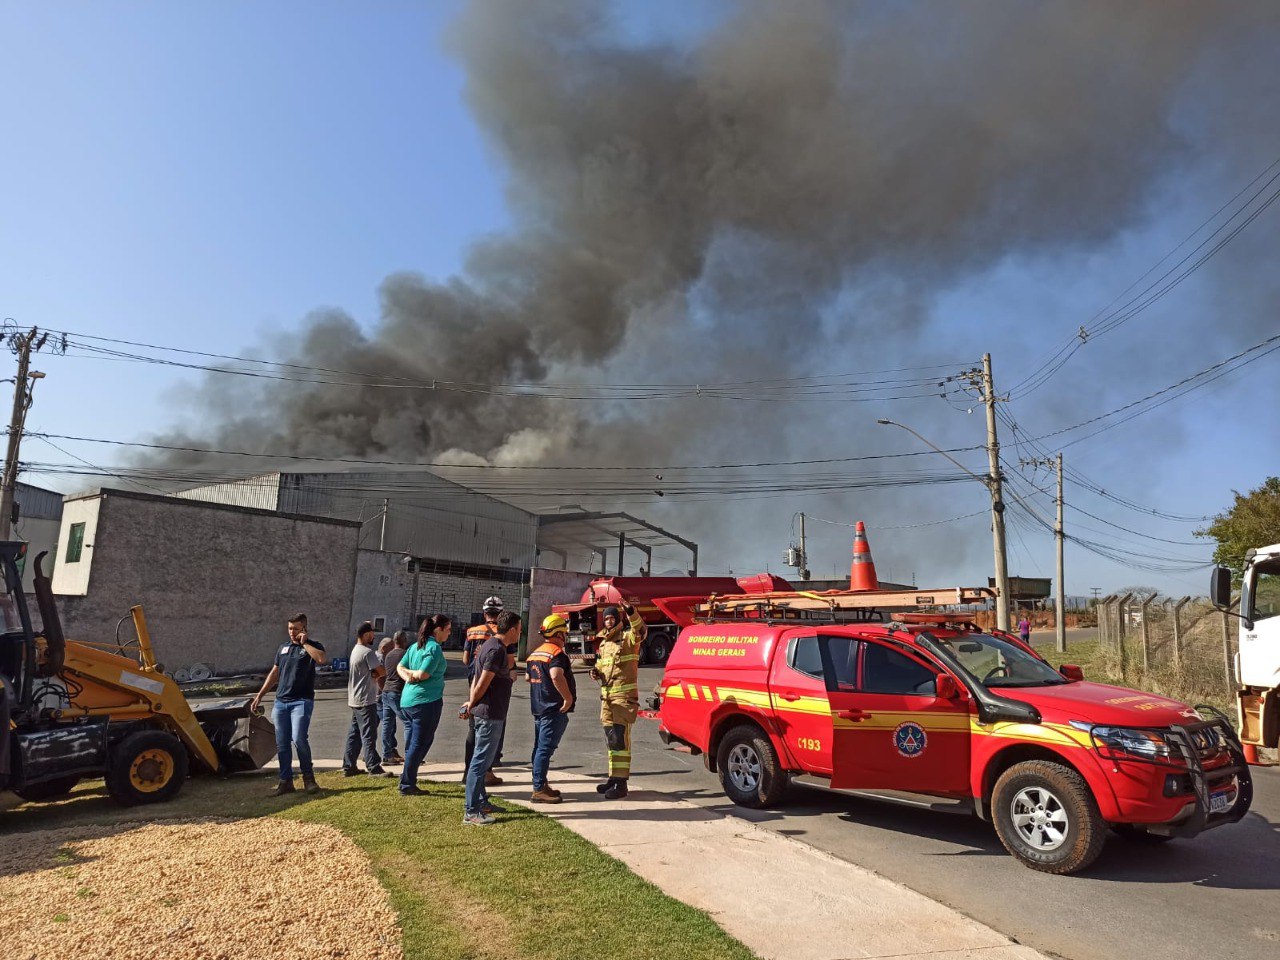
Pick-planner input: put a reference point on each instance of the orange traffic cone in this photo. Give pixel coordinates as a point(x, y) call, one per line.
point(862, 572)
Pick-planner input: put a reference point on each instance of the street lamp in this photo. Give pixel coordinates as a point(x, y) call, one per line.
point(992, 483)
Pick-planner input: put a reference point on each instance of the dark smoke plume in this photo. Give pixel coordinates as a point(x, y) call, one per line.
point(787, 192)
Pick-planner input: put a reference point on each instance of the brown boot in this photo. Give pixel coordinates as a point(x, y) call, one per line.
point(551, 790)
point(282, 787)
point(544, 796)
point(491, 779)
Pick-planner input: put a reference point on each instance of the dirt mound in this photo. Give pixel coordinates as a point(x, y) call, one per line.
point(195, 890)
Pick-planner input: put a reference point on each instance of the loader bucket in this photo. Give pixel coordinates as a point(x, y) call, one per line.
point(242, 740)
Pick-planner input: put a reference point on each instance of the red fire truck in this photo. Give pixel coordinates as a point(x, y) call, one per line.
point(782, 684)
point(585, 620)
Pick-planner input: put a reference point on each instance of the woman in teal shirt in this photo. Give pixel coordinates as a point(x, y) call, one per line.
point(422, 700)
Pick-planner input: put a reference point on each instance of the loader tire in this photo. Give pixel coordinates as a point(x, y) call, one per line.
point(1045, 815)
point(750, 773)
point(48, 790)
point(147, 767)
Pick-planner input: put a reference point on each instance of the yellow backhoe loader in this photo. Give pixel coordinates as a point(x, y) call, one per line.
point(74, 709)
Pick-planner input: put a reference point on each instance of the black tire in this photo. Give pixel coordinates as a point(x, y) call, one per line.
point(1046, 817)
point(748, 768)
point(657, 648)
point(1136, 834)
point(48, 790)
point(149, 766)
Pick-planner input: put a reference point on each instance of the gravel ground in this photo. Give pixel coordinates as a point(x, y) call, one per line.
point(196, 890)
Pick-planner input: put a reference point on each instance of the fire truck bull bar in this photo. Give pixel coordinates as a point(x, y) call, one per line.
point(1186, 738)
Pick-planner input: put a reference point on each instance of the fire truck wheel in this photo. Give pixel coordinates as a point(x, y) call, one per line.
point(147, 767)
point(749, 770)
point(1137, 834)
point(657, 648)
point(1046, 817)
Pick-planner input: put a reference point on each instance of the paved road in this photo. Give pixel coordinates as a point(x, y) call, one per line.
point(1213, 897)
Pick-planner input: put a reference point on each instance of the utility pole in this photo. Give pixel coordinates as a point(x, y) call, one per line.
point(994, 484)
point(1060, 591)
point(22, 387)
point(1060, 601)
point(804, 553)
point(382, 536)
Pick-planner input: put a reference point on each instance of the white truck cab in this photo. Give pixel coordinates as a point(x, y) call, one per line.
point(1258, 660)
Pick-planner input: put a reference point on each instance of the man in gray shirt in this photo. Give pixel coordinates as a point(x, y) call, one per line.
point(362, 698)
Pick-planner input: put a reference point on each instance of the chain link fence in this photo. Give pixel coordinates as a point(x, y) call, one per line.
point(1183, 648)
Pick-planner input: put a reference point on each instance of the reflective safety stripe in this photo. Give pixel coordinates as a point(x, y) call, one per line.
point(620, 688)
point(629, 658)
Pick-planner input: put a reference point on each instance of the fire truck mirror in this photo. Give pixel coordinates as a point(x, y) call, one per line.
point(948, 689)
point(1071, 672)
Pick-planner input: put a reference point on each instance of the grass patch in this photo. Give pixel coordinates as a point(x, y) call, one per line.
point(1199, 680)
point(525, 887)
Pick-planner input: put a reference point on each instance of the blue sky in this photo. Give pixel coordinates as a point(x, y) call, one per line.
point(206, 175)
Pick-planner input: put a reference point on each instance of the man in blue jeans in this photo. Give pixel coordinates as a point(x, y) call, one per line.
point(552, 692)
point(295, 669)
point(392, 687)
point(487, 705)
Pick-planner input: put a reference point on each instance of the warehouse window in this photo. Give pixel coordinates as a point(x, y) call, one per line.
point(75, 543)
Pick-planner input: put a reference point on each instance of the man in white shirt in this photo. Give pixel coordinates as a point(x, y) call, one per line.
point(362, 697)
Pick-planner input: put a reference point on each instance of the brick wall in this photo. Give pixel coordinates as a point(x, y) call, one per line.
point(460, 598)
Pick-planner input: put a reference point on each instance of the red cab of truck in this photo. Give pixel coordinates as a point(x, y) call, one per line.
point(641, 592)
point(931, 705)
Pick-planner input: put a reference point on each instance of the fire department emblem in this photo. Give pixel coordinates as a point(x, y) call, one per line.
point(909, 739)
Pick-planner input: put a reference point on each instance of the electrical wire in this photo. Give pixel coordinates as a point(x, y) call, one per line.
point(813, 388)
point(442, 465)
point(1107, 319)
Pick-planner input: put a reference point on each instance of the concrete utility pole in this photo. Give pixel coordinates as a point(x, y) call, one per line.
point(1060, 601)
point(1060, 593)
point(804, 553)
point(22, 387)
point(994, 484)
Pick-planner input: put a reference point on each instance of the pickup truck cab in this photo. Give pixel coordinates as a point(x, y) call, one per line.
point(932, 705)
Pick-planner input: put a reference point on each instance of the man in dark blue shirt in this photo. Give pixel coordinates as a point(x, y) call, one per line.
point(552, 692)
point(295, 670)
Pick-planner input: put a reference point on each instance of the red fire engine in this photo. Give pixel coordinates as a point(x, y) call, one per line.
point(776, 685)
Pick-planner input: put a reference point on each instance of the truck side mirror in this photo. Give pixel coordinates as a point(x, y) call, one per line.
point(1071, 672)
point(1220, 588)
point(947, 688)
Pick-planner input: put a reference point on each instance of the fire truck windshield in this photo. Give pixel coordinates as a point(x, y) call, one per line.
point(997, 663)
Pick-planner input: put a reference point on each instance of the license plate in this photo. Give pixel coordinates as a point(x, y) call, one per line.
point(1221, 802)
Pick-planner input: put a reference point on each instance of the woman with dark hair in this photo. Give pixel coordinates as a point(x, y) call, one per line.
point(422, 700)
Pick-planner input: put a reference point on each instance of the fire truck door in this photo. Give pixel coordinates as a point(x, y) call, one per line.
point(798, 697)
point(890, 730)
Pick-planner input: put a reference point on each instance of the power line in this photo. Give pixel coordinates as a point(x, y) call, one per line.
point(813, 388)
point(901, 526)
point(441, 465)
point(1104, 322)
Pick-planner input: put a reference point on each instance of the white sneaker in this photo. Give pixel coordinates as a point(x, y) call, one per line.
point(477, 819)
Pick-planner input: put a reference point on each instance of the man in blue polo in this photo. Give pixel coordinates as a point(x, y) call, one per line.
point(295, 670)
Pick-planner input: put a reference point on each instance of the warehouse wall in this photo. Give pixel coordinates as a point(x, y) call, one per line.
point(381, 591)
point(460, 597)
point(548, 587)
point(218, 583)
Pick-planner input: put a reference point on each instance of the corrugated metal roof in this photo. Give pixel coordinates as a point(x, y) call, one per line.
point(426, 515)
point(38, 503)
